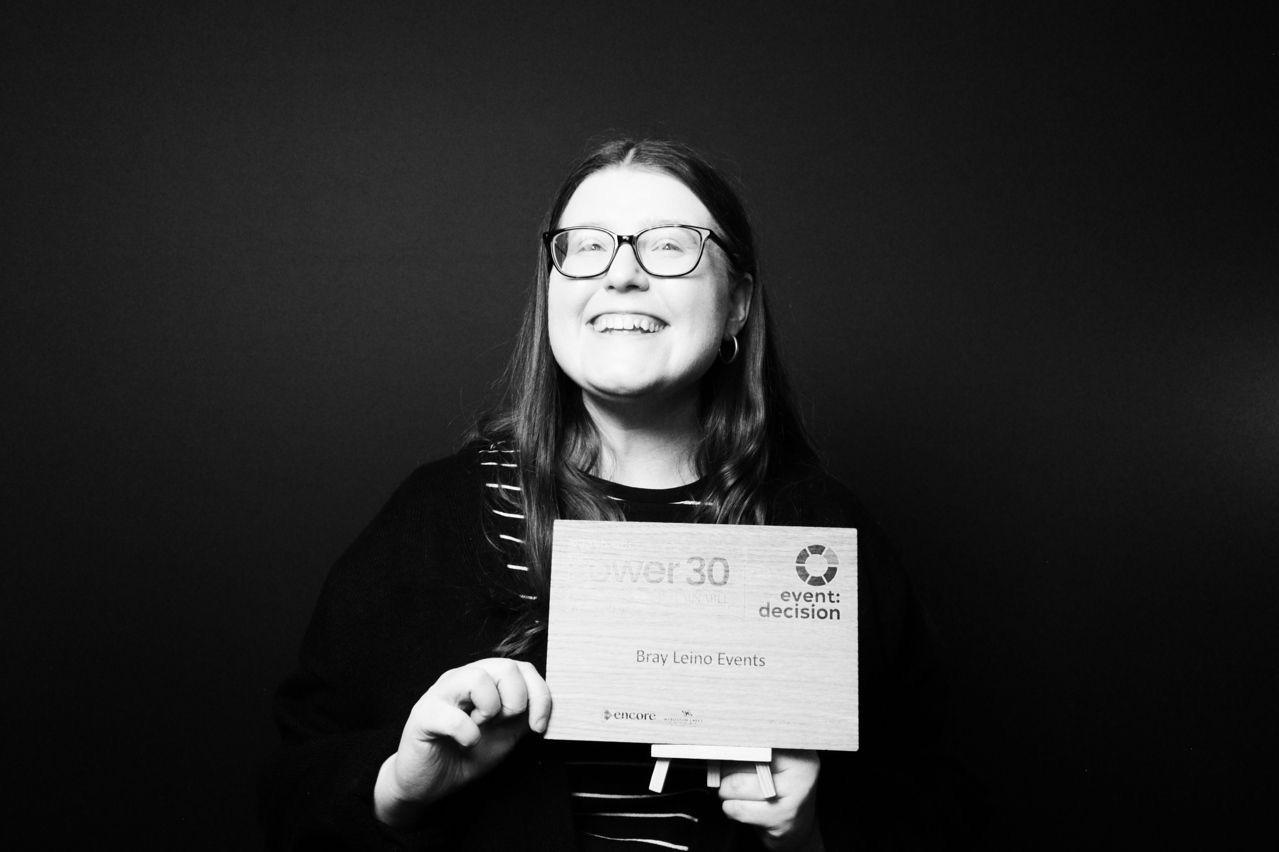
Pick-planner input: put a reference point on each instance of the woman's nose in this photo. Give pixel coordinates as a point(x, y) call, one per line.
point(625, 273)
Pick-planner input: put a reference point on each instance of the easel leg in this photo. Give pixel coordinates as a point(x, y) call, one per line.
point(658, 780)
point(765, 776)
point(713, 755)
point(712, 773)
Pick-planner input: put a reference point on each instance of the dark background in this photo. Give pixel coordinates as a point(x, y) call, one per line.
point(259, 262)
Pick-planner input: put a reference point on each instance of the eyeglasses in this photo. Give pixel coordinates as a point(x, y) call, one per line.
point(667, 251)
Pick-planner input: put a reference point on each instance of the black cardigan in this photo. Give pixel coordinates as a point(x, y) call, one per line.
point(415, 595)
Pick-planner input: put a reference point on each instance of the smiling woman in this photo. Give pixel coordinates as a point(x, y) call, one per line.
point(644, 387)
point(625, 336)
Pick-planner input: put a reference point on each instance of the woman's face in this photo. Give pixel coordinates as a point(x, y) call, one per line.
point(626, 335)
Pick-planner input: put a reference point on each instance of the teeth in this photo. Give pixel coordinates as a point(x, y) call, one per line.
point(627, 322)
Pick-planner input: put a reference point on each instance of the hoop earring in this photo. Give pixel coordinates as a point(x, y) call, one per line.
point(731, 358)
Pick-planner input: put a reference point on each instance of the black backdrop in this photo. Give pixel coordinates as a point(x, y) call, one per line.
point(259, 262)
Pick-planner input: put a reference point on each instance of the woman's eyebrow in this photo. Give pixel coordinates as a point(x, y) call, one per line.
point(648, 223)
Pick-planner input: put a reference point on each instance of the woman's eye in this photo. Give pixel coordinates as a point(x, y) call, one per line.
point(668, 246)
point(587, 246)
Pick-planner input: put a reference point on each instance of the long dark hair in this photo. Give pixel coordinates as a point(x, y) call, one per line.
point(750, 429)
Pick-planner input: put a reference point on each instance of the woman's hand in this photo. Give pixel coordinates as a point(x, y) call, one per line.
point(788, 821)
point(461, 728)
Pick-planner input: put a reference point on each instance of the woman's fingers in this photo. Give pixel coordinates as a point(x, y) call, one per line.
point(510, 690)
point(480, 707)
point(740, 781)
point(435, 717)
point(781, 819)
point(794, 773)
point(763, 814)
point(539, 697)
point(496, 688)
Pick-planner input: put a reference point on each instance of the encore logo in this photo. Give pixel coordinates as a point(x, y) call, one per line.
point(816, 565)
point(628, 715)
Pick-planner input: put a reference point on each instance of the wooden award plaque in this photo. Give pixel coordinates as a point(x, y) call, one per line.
point(704, 634)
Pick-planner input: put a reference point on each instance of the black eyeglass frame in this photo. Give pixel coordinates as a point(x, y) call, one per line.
point(620, 240)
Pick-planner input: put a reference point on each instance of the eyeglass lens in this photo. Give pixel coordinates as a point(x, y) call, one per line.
point(586, 252)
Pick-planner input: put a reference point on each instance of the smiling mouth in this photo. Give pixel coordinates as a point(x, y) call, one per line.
point(626, 324)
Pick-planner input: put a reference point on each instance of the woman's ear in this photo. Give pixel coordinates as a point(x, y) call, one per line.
point(739, 307)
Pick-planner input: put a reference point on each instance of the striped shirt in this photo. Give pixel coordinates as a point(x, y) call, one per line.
point(613, 809)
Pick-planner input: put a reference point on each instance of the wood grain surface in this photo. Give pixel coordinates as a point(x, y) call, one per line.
point(704, 634)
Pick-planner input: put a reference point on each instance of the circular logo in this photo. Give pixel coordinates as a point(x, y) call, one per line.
point(816, 565)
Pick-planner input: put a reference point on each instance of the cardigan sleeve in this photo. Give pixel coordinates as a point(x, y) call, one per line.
point(382, 632)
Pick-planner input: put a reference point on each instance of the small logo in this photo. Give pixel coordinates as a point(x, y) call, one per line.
point(628, 715)
point(685, 719)
point(816, 565)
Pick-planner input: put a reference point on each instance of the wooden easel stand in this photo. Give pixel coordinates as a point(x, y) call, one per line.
point(714, 756)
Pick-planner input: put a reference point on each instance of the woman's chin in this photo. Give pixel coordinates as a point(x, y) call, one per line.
point(632, 390)
point(624, 391)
